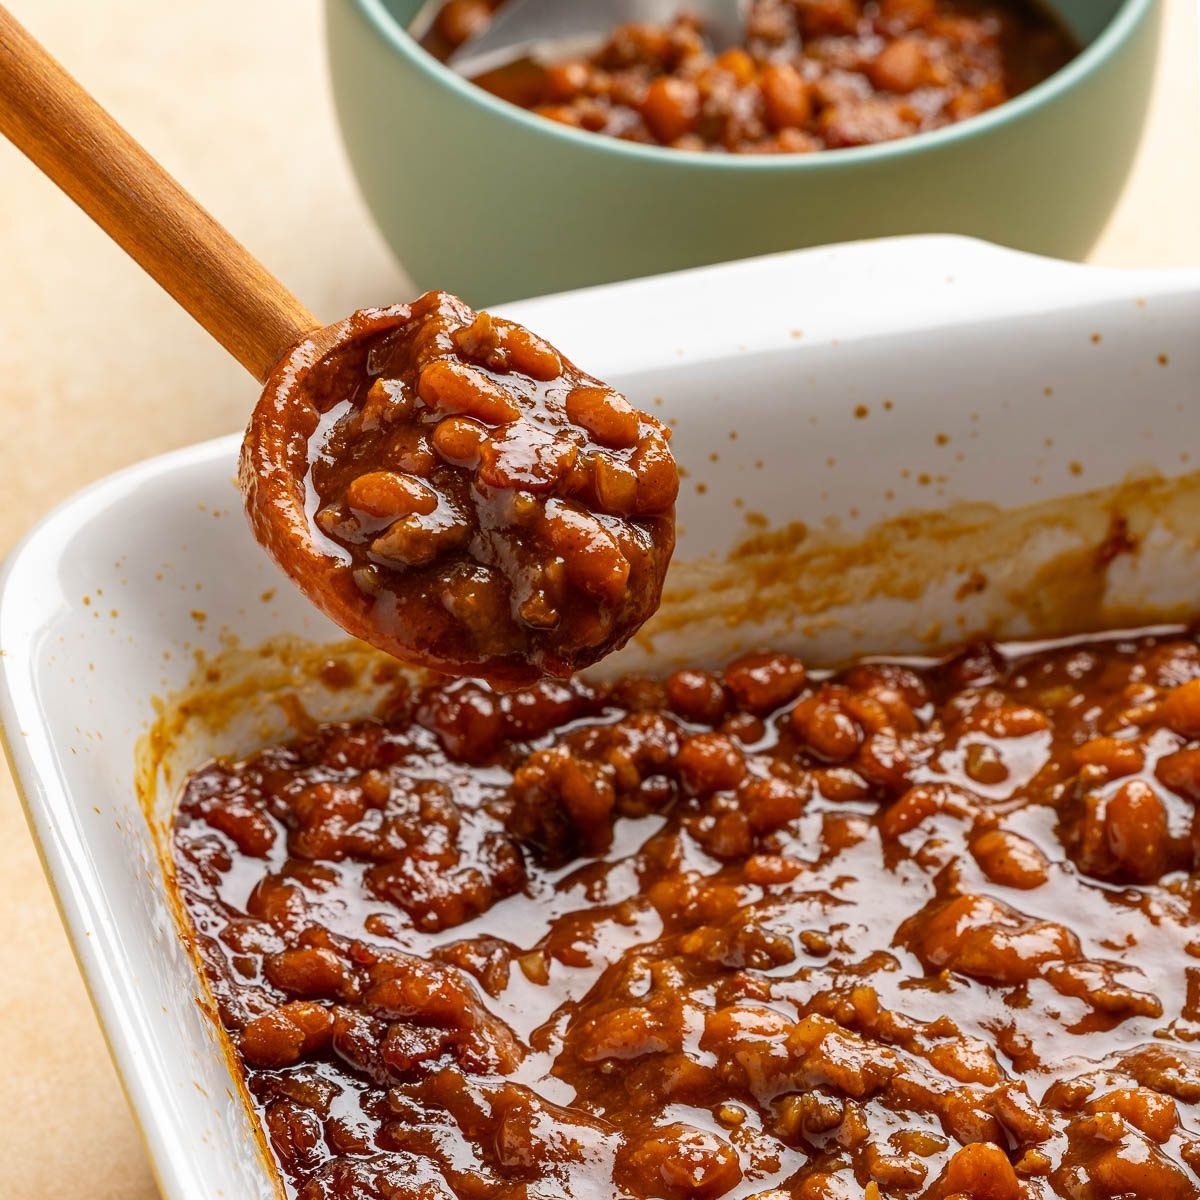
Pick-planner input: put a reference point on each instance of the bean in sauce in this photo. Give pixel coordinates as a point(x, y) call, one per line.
point(461, 495)
point(809, 75)
point(903, 930)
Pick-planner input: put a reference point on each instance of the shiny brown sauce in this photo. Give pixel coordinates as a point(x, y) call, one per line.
point(906, 930)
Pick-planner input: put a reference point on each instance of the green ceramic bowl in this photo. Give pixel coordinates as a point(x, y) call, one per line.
point(491, 202)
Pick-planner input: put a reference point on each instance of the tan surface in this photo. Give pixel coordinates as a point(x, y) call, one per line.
point(231, 95)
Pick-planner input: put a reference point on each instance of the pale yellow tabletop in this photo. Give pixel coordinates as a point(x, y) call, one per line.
point(231, 95)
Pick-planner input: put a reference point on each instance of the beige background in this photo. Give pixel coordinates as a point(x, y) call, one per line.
point(97, 369)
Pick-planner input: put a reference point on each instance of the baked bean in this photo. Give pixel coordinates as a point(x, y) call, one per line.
point(1137, 832)
point(1154, 1114)
point(885, 762)
point(534, 711)
point(896, 1172)
point(679, 1161)
point(981, 937)
point(1010, 860)
point(1180, 709)
point(906, 14)
point(768, 870)
point(459, 440)
point(924, 801)
point(405, 1048)
point(902, 66)
point(387, 401)
point(697, 696)
point(1181, 773)
point(846, 123)
point(830, 16)
point(564, 80)
point(746, 727)
point(532, 356)
point(983, 763)
point(770, 804)
point(658, 479)
point(409, 543)
point(561, 114)
point(870, 715)
point(278, 901)
point(1125, 834)
point(525, 460)
point(459, 20)
point(271, 1041)
point(315, 1020)
point(671, 108)
point(567, 805)
point(761, 683)
point(1115, 757)
point(625, 1033)
point(296, 1135)
point(736, 62)
point(828, 731)
point(787, 98)
point(890, 683)
point(1009, 721)
point(710, 762)
point(605, 414)
point(978, 666)
point(593, 559)
point(284, 1035)
point(1122, 1162)
point(456, 387)
point(308, 971)
point(388, 496)
point(616, 487)
point(983, 1172)
point(250, 830)
point(468, 721)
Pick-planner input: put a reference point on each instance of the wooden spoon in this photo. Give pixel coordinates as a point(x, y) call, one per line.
point(442, 484)
point(51, 119)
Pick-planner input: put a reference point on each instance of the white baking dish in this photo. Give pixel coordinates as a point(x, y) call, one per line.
point(845, 387)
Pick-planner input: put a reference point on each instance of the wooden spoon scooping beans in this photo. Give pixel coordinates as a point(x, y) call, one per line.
point(442, 483)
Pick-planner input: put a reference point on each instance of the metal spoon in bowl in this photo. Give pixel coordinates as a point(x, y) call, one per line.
point(555, 29)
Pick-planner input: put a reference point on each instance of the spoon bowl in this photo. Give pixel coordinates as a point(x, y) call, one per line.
point(448, 487)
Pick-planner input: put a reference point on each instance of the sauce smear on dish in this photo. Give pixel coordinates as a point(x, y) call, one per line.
point(902, 930)
point(810, 74)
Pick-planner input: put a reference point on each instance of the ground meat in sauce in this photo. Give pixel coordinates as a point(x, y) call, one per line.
point(921, 931)
point(810, 75)
point(461, 495)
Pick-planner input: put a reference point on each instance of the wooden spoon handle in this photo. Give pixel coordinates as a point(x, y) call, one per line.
point(48, 116)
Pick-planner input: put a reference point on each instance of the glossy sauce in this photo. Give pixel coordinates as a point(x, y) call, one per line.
point(908, 930)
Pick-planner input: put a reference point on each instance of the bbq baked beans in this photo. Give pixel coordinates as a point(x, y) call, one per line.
point(462, 495)
point(810, 74)
point(902, 930)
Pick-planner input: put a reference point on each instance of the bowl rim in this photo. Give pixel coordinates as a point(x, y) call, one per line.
point(1128, 17)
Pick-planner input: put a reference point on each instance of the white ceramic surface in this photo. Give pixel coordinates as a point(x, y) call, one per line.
point(995, 381)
